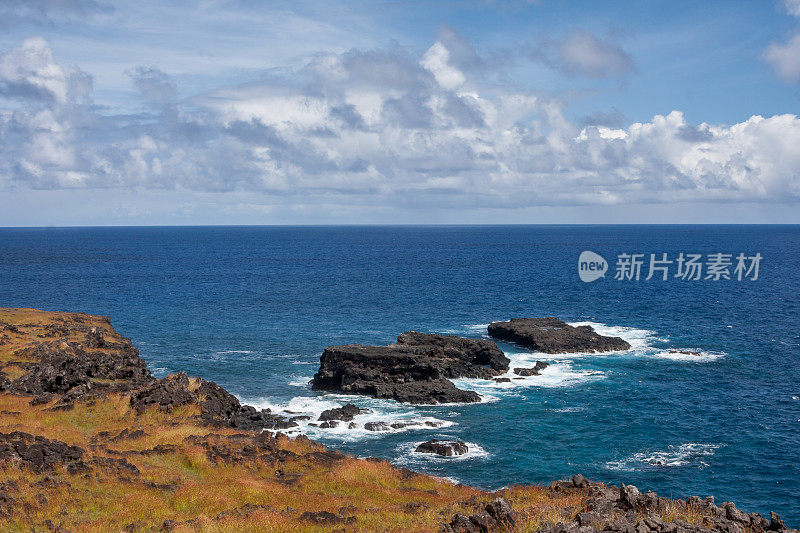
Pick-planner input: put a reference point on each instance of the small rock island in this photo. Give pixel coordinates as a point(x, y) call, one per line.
point(416, 369)
point(551, 335)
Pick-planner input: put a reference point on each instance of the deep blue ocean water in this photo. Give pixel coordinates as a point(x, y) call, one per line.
point(253, 307)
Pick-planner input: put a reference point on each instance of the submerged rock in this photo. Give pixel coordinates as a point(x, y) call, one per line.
point(551, 335)
point(445, 448)
point(532, 371)
point(416, 369)
point(685, 352)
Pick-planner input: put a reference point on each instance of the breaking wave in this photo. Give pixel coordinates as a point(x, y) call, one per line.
point(689, 454)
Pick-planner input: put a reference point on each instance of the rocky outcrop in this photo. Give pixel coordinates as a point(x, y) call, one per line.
point(416, 369)
point(496, 516)
point(551, 335)
point(64, 367)
point(626, 510)
point(218, 406)
point(535, 370)
point(622, 509)
point(346, 413)
point(35, 452)
point(445, 448)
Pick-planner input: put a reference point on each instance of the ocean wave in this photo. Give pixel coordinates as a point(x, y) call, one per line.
point(689, 355)
point(638, 338)
point(647, 343)
point(300, 381)
point(391, 417)
point(689, 454)
point(467, 329)
point(556, 375)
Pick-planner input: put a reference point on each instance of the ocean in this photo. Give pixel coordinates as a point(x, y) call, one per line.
point(252, 308)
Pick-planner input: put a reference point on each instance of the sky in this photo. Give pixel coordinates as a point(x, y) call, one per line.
point(399, 112)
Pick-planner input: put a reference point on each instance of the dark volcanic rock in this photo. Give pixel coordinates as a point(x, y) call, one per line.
point(532, 371)
point(346, 413)
point(65, 365)
point(218, 406)
point(551, 335)
point(685, 352)
point(497, 516)
point(474, 354)
point(37, 452)
point(626, 510)
point(445, 448)
point(414, 370)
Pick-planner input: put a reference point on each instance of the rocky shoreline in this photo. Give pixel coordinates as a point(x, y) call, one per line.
point(84, 424)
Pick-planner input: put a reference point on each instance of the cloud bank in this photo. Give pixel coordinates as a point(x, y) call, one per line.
point(384, 127)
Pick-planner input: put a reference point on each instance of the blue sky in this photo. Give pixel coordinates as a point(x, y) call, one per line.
point(243, 112)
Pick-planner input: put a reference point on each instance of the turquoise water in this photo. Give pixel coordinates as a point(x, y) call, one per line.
point(253, 307)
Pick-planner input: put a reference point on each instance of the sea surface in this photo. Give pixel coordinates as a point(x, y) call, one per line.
point(252, 308)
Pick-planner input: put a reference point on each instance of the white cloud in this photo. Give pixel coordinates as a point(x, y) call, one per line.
point(436, 60)
point(785, 59)
point(380, 128)
point(584, 54)
point(155, 87)
point(793, 7)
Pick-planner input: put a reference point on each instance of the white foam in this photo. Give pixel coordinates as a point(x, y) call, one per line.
point(639, 339)
point(380, 411)
point(691, 453)
point(300, 381)
point(696, 357)
point(568, 409)
point(556, 375)
point(408, 454)
point(645, 343)
point(471, 329)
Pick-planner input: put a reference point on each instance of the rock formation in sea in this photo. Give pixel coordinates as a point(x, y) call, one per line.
point(445, 448)
point(551, 335)
point(415, 369)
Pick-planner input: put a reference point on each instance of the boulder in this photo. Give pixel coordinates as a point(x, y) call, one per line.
point(445, 448)
point(346, 413)
point(551, 335)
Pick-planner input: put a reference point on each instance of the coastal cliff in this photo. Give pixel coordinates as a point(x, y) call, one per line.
point(91, 441)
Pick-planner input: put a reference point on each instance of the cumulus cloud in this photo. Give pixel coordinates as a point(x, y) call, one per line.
point(155, 87)
point(785, 57)
point(581, 53)
point(381, 128)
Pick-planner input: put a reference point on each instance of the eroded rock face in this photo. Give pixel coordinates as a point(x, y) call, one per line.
point(551, 335)
point(218, 406)
point(63, 366)
point(416, 369)
point(445, 448)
